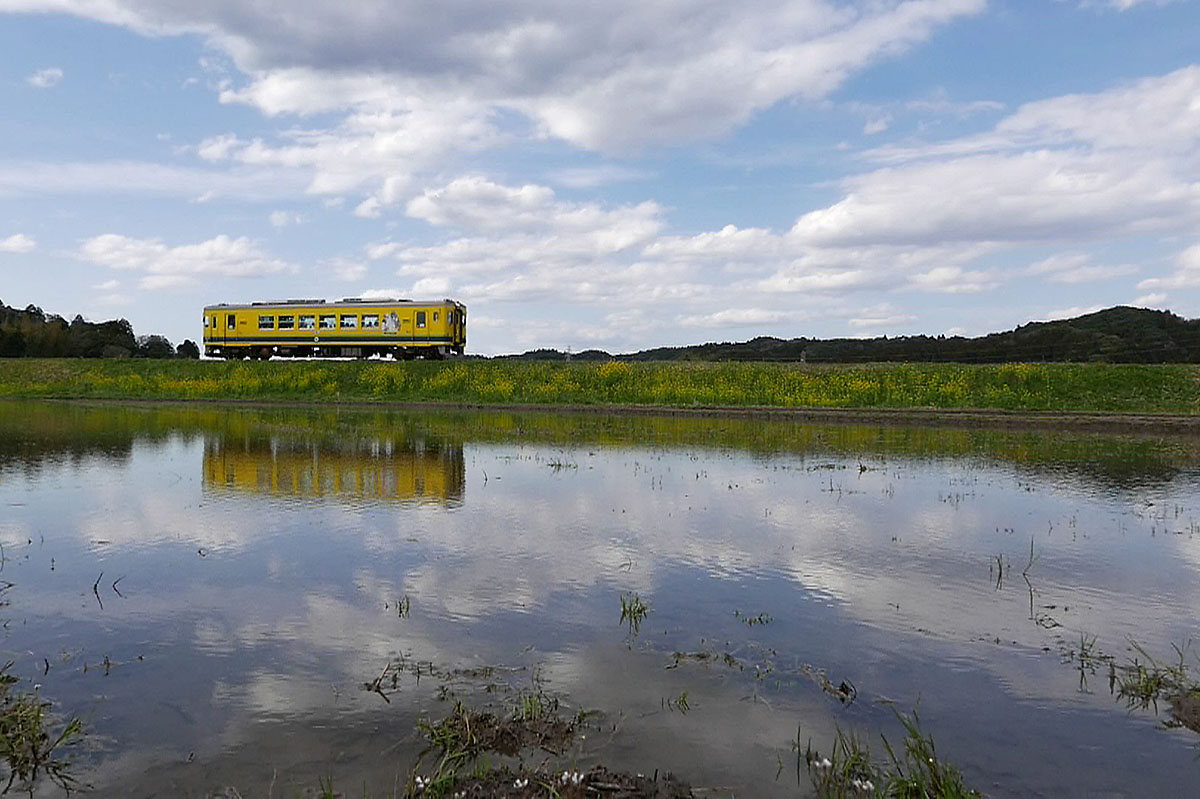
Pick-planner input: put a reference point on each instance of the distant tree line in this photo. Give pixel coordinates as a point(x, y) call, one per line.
point(1114, 335)
point(35, 334)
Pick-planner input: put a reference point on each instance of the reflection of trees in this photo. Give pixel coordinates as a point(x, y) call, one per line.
point(35, 432)
point(370, 468)
point(1112, 462)
point(33, 435)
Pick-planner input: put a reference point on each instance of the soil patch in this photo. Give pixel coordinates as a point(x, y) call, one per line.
point(1185, 710)
point(599, 782)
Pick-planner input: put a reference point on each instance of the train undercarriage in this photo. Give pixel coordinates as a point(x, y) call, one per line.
point(394, 352)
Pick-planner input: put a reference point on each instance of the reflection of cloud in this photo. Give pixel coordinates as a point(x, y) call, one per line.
point(872, 563)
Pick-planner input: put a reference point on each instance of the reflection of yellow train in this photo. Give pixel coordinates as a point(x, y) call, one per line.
point(352, 328)
point(375, 469)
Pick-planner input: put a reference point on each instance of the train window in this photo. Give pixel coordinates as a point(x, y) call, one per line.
point(308, 321)
point(349, 321)
point(328, 321)
point(266, 323)
point(206, 321)
point(214, 324)
point(370, 320)
point(229, 321)
point(420, 319)
point(287, 322)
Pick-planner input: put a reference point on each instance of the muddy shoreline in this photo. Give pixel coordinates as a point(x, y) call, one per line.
point(1142, 424)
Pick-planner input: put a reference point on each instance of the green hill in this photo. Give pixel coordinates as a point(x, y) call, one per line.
point(1115, 335)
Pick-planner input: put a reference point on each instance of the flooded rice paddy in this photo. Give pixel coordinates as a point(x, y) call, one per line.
point(263, 600)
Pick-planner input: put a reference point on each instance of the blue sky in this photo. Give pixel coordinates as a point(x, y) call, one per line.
point(620, 175)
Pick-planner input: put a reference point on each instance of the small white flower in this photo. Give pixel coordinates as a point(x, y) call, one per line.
point(520, 782)
point(824, 763)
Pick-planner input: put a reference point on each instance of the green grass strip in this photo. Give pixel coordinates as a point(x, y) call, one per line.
point(1129, 388)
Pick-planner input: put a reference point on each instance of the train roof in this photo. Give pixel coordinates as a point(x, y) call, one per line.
point(348, 302)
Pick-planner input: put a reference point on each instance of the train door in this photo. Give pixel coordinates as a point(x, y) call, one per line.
point(217, 328)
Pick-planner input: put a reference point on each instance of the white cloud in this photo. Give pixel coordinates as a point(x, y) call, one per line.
point(590, 177)
point(478, 205)
point(522, 242)
point(953, 280)
point(939, 103)
point(432, 287)
point(349, 271)
point(1116, 163)
point(1071, 313)
point(171, 267)
point(381, 294)
point(877, 124)
point(381, 249)
point(1032, 196)
point(1076, 268)
point(840, 270)
point(112, 300)
point(416, 88)
point(41, 178)
point(45, 78)
point(882, 317)
point(281, 219)
point(1123, 5)
point(1185, 276)
point(375, 151)
point(821, 281)
point(738, 317)
point(18, 242)
point(729, 244)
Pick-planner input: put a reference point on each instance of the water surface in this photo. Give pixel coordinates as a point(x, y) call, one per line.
point(210, 589)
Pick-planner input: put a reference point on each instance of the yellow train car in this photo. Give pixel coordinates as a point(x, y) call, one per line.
point(352, 328)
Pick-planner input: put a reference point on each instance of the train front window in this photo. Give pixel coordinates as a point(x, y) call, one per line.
point(420, 319)
point(206, 321)
point(229, 321)
point(370, 321)
point(308, 322)
point(349, 321)
point(287, 322)
point(328, 321)
point(266, 323)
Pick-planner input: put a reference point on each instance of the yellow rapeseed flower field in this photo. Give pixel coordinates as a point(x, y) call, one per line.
point(1031, 387)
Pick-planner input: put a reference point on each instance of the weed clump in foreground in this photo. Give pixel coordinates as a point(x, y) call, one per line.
point(914, 773)
point(29, 746)
point(1141, 683)
point(461, 741)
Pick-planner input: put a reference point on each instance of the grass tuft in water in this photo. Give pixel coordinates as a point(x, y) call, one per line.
point(1144, 681)
point(633, 611)
point(913, 772)
point(30, 746)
